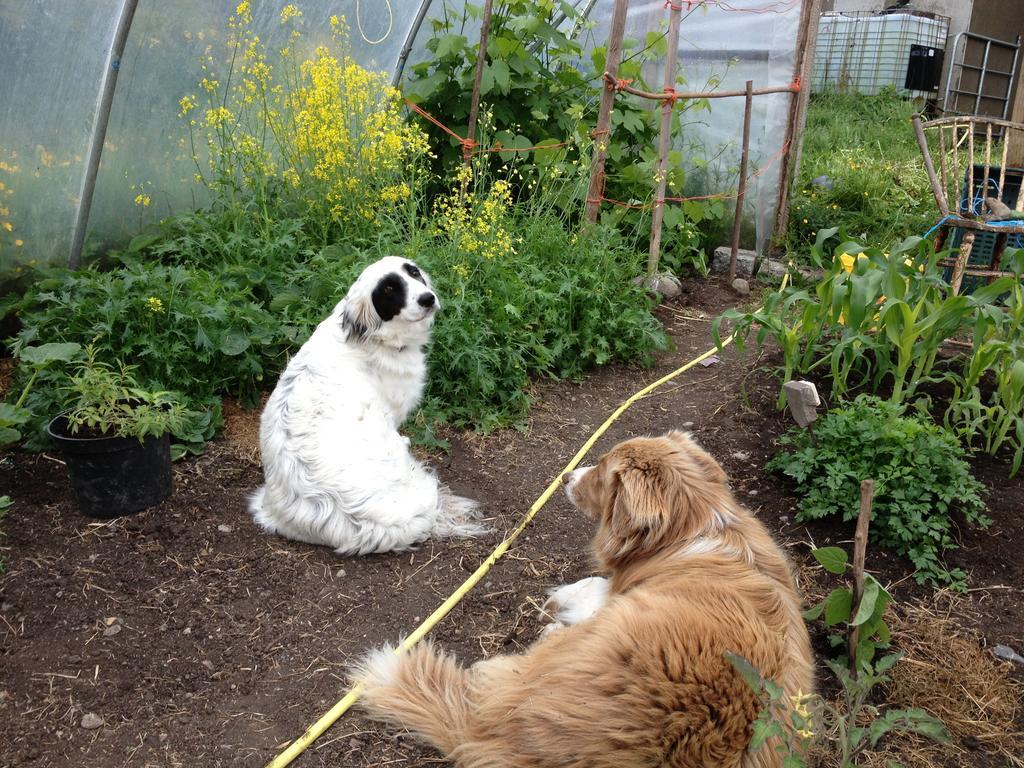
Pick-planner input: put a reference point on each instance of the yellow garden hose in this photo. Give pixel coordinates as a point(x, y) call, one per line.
point(314, 731)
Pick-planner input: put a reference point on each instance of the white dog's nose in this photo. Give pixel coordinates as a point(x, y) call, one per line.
point(426, 300)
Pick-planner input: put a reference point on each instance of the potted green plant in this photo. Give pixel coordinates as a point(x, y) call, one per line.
point(116, 439)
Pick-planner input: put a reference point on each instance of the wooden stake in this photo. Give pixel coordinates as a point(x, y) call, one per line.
point(602, 133)
point(789, 168)
point(474, 103)
point(741, 190)
point(937, 189)
point(860, 547)
point(665, 138)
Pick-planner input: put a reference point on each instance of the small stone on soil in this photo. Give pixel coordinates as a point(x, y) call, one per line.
point(112, 630)
point(741, 286)
point(91, 721)
point(741, 455)
point(223, 528)
point(1006, 653)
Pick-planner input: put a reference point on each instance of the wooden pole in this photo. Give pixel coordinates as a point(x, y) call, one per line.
point(602, 133)
point(929, 166)
point(1015, 139)
point(474, 103)
point(806, 40)
point(687, 95)
point(741, 190)
point(665, 138)
point(860, 547)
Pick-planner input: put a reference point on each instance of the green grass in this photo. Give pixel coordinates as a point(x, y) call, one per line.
point(865, 145)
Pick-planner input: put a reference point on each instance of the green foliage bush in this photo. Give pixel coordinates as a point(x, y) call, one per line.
point(555, 308)
point(921, 479)
point(106, 401)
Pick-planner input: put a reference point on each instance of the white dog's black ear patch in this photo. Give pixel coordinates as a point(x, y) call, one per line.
point(388, 296)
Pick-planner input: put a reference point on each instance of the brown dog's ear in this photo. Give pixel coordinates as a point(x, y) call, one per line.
point(639, 511)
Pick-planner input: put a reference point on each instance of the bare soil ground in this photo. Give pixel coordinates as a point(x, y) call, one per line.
point(198, 640)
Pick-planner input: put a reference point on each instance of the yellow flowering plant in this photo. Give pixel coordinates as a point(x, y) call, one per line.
point(474, 217)
point(315, 136)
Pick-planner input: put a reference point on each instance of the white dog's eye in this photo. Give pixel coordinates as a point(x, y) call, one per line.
point(413, 271)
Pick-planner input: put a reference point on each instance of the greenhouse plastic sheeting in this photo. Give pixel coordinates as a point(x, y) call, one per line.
point(721, 46)
point(53, 57)
point(55, 54)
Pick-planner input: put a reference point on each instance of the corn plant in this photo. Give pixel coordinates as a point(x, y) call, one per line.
point(997, 349)
point(875, 318)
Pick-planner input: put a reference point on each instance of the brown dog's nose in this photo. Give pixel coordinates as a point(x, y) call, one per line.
point(565, 477)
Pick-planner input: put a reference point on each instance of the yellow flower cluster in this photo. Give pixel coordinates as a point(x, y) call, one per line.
point(476, 223)
point(323, 129)
point(143, 200)
point(155, 305)
point(218, 117)
point(800, 701)
point(350, 135)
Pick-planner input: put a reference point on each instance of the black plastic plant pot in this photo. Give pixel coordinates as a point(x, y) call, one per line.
point(114, 476)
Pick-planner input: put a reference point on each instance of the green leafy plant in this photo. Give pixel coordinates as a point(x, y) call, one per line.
point(540, 96)
point(920, 473)
point(836, 611)
point(793, 725)
point(875, 318)
point(996, 360)
point(880, 319)
point(35, 360)
point(106, 401)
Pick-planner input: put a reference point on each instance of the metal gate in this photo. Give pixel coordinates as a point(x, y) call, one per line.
point(981, 74)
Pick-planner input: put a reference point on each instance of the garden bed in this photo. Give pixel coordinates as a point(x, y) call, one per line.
point(199, 640)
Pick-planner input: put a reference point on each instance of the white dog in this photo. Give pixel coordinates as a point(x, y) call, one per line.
point(336, 470)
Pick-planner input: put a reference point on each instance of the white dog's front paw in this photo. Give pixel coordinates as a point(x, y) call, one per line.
point(573, 603)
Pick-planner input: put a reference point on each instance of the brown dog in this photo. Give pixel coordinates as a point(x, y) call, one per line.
point(639, 677)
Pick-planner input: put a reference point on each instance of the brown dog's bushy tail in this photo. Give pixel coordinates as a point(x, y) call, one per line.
point(422, 690)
